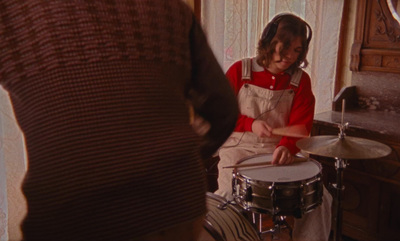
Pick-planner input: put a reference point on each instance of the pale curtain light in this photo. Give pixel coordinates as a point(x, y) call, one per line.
point(12, 171)
point(233, 28)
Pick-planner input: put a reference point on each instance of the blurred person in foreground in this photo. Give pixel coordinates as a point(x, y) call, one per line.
point(100, 90)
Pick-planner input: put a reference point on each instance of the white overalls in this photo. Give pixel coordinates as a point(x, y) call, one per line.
point(273, 107)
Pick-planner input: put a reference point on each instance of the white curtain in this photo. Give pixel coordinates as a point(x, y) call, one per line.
point(12, 171)
point(3, 188)
point(233, 28)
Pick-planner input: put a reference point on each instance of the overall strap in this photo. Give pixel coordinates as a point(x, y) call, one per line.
point(246, 69)
point(296, 77)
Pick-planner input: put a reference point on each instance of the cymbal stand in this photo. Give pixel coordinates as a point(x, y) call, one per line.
point(340, 165)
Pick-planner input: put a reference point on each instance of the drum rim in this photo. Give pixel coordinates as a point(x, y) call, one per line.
point(222, 200)
point(253, 156)
point(270, 154)
point(318, 175)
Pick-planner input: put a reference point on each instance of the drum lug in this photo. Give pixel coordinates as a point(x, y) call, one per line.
point(224, 205)
point(235, 185)
point(275, 208)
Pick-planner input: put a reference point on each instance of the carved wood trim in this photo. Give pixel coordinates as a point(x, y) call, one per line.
point(376, 45)
point(387, 25)
point(380, 60)
point(358, 36)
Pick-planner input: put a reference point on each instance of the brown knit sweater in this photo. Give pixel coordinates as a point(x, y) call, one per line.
point(98, 88)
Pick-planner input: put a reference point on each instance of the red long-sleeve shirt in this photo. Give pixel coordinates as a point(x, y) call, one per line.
point(302, 111)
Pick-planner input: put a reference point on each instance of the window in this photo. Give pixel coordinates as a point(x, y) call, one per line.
point(233, 28)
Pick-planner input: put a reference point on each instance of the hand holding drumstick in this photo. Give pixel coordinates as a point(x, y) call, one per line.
point(281, 155)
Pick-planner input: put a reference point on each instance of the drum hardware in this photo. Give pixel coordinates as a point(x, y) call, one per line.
point(226, 221)
point(249, 194)
point(275, 208)
point(279, 223)
point(340, 165)
point(278, 192)
point(342, 148)
point(224, 205)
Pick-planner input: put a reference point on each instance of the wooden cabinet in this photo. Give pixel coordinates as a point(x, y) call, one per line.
point(376, 45)
point(371, 202)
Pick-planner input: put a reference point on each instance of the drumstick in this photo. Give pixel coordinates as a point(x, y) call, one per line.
point(292, 131)
point(265, 164)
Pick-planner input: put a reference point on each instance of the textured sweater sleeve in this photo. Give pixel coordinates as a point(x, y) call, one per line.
point(212, 97)
point(98, 89)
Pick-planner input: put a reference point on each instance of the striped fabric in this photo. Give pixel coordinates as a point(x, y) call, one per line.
point(226, 221)
point(98, 89)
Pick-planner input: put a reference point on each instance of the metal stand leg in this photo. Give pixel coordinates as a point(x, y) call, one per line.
point(340, 165)
point(279, 223)
point(257, 221)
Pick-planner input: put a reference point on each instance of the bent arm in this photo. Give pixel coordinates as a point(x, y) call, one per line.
point(212, 96)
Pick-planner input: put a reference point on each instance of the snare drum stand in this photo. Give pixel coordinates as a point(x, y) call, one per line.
point(279, 222)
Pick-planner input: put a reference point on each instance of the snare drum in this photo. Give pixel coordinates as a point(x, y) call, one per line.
point(225, 222)
point(293, 189)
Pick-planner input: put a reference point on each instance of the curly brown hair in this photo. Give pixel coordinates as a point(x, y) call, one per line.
point(284, 28)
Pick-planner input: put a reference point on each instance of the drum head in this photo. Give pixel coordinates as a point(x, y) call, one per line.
point(296, 171)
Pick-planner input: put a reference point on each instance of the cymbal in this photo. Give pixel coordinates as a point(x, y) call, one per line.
point(346, 148)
